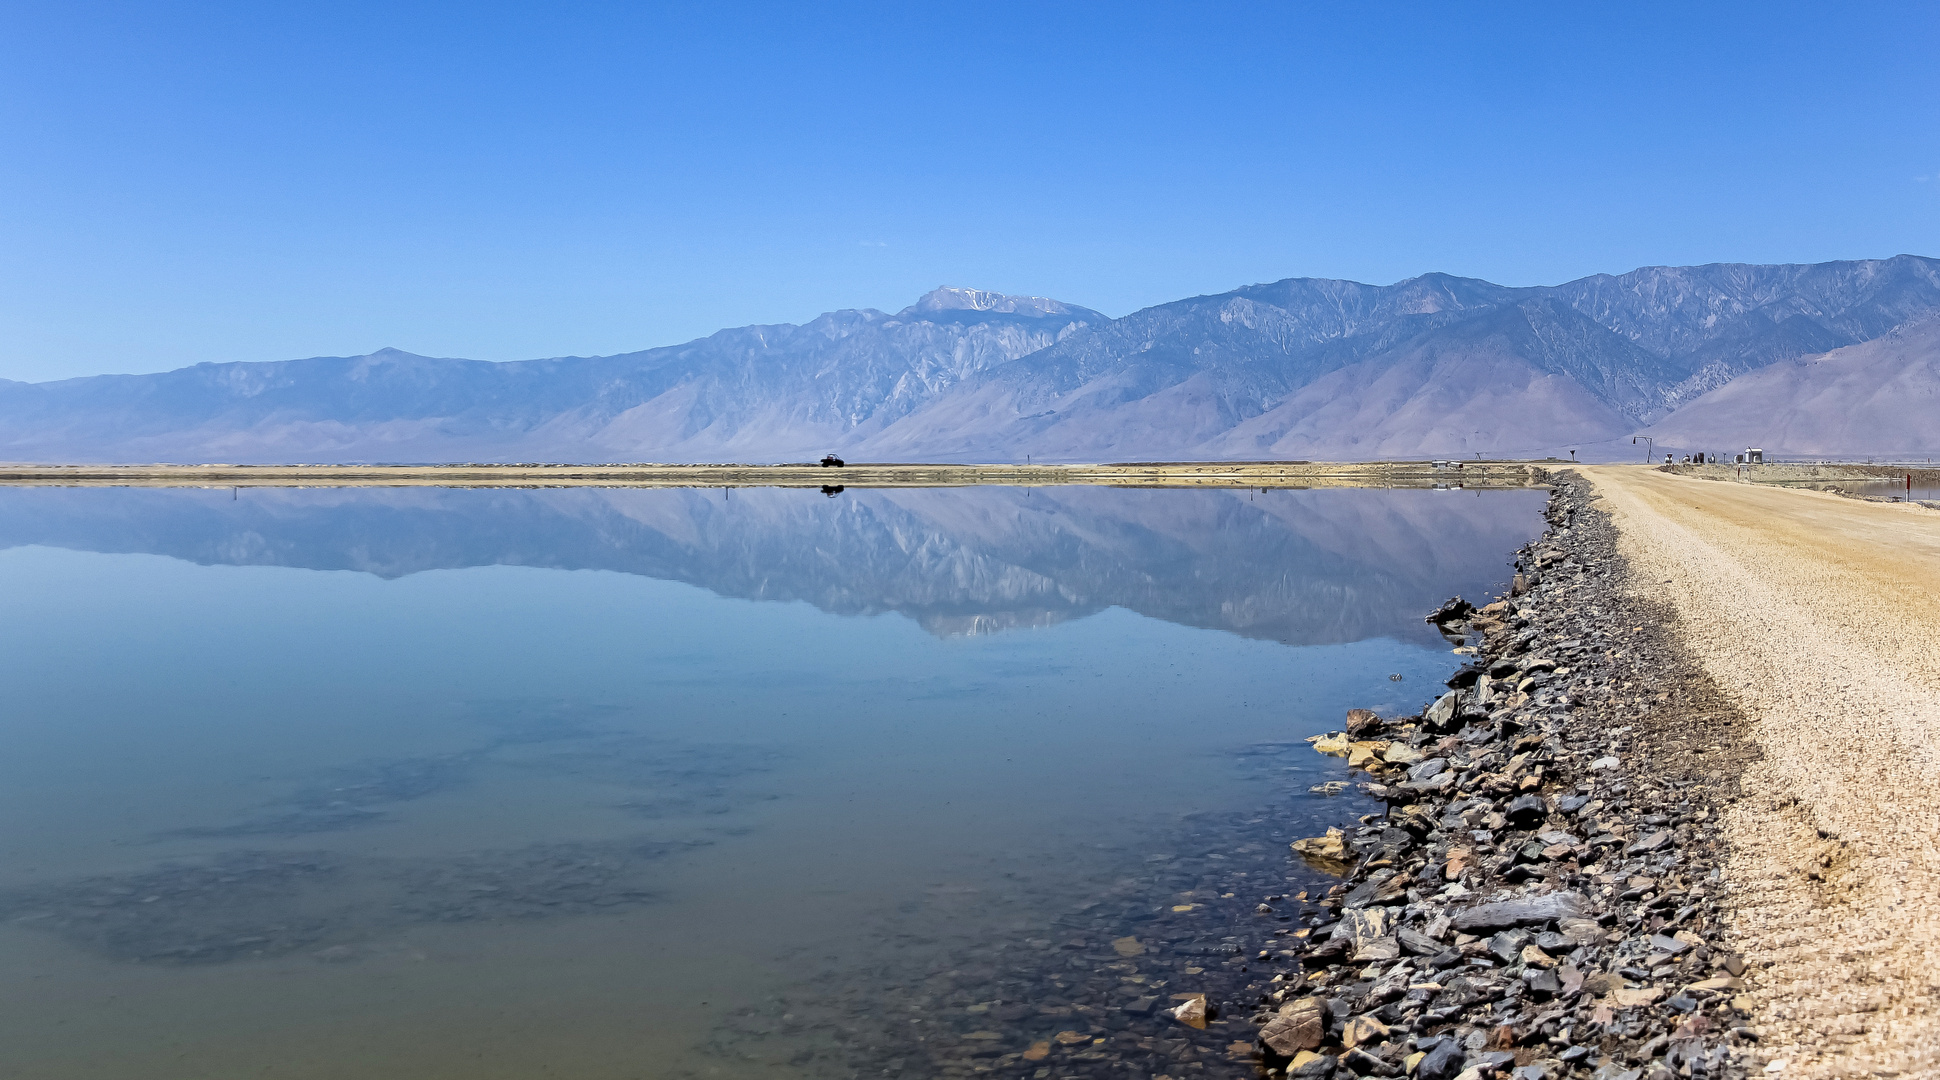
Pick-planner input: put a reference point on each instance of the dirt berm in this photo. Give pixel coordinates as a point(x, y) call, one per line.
point(1819, 619)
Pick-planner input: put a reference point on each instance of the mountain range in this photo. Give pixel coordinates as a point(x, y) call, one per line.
point(1835, 358)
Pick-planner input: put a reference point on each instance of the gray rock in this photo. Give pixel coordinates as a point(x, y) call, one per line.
point(1374, 891)
point(1453, 609)
point(1417, 943)
point(1444, 1062)
point(1433, 785)
point(1526, 911)
point(1442, 713)
point(1655, 841)
point(1319, 1068)
point(1668, 944)
point(1507, 946)
point(1527, 811)
point(1367, 1064)
point(1376, 950)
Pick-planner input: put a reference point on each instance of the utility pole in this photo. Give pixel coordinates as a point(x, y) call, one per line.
point(1650, 448)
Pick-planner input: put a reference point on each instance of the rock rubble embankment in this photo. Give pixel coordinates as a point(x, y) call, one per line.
point(1544, 895)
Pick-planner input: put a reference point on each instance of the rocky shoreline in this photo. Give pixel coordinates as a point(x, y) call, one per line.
point(1543, 896)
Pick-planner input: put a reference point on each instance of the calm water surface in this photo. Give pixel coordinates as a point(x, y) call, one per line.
point(626, 783)
point(1917, 491)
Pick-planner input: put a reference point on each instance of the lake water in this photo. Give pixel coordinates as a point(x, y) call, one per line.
point(597, 783)
point(1887, 489)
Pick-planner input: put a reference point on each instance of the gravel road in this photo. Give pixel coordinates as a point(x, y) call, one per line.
point(1819, 618)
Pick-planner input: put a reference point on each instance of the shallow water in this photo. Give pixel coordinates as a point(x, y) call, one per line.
point(1887, 489)
point(656, 783)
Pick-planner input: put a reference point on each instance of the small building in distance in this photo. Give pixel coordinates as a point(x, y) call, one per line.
point(1752, 456)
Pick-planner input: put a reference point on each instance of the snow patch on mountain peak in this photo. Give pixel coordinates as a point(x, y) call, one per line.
point(948, 298)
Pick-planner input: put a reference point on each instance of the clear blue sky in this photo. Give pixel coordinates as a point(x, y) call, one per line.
point(188, 181)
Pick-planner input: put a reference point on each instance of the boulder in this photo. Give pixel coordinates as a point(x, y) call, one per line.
point(1454, 609)
point(1526, 811)
point(1399, 753)
point(1365, 924)
point(1362, 722)
point(1444, 1062)
point(1441, 716)
point(1332, 847)
point(1300, 1025)
point(1377, 950)
point(1316, 1067)
point(1335, 743)
point(1362, 1030)
point(1507, 945)
point(1361, 754)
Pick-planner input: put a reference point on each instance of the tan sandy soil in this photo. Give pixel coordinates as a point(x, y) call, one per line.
point(1820, 618)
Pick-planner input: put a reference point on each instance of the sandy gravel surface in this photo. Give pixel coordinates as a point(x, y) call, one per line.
point(1820, 618)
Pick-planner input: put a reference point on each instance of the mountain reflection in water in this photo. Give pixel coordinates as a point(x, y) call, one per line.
point(1298, 566)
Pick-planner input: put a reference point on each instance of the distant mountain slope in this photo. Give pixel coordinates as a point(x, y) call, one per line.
point(753, 389)
point(1879, 397)
point(1432, 366)
point(1303, 368)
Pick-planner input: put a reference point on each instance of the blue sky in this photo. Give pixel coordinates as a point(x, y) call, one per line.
point(201, 181)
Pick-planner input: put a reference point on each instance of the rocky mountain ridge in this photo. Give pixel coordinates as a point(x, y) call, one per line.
point(1432, 366)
